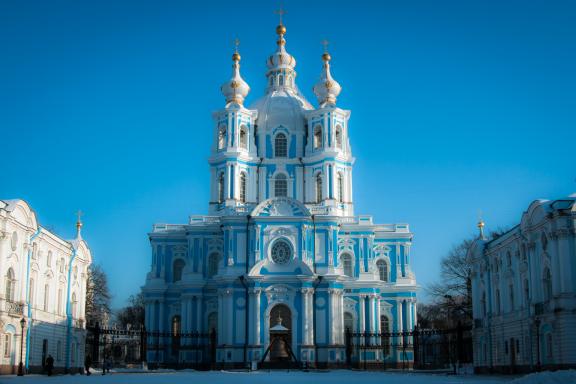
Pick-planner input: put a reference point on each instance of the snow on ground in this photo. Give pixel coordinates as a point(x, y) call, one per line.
point(260, 377)
point(558, 377)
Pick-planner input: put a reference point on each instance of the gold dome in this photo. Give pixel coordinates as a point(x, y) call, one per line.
point(281, 30)
point(326, 57)
point(236, 56)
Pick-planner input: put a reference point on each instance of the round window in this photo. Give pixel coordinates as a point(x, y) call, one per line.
point(281, 252)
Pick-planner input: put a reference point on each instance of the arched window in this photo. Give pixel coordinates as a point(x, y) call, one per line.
point(10, 285)
point(281, 252)
point(14, 241)
point(221, 187)
point(62, 265)
point(484, 303)
point(508, 259)
point(280, 186)
point(222, 137)
point(243, 137)
point(7, 344)
point(347, 265)
point(385, 334)
point(178, 267)
point(547, 284)
point(317, 137)
point(340, 187)
point(213, 261)
point(319, 188)
point(46, 297)
point(213, 322)
point(348, 322)
point(243, 187)
point(382, 270)
point(338, 137)
point(74, 304)
point(280, 145)
point(280, 80)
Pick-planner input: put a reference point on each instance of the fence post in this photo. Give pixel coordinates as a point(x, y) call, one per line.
point(96, 343)
point(459, 344)
point(143, 344)
point(416, 347)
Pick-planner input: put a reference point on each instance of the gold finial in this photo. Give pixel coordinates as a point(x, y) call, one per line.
point(236, 55)
point(481, 225)
point(326, 56)
point(280, 29)
point(79, 221)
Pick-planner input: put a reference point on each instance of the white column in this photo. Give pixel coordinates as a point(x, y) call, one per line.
point(378, 314)
point(362, 306)
point(255, 316)
point(306, 316)
point(400, 322)
point(341, 315)
point(332, 317)
point(371, 313)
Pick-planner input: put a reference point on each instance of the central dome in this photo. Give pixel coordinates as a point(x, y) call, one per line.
point(281, 107)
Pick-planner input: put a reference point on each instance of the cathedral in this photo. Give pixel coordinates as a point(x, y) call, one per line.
point(281, 251)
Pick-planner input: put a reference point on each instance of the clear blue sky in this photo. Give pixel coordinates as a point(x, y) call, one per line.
point(457, 106)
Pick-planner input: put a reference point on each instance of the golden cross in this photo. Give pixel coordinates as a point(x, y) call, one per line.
point(325, 44)
point(236, 44)
point(280, 12)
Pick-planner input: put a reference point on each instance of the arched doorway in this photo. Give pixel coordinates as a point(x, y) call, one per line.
point(280, 333)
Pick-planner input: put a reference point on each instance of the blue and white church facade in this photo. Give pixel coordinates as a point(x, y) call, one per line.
point(281, 245)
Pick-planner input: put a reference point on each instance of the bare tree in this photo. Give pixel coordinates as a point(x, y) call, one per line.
point(97, 296)
point(133, 313)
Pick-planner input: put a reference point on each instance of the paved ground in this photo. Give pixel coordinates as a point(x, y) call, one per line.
point(259, 377)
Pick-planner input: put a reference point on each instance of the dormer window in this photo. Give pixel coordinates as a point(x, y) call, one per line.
point(280, 145)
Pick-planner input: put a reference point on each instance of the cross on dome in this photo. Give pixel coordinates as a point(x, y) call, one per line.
point(236, 89)
point(326, 89)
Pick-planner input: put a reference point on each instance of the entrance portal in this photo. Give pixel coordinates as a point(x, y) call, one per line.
point(280, 333)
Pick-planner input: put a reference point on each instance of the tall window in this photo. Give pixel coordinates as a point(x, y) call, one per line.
point(340, 187)
point(74, 306)
point(511, 291)
point(347, 265)
point(382, 270)
point(213, 322)
point(10, 285)
point(243, 137)
point(49, 259)
point(280, 145)
point(62, 265)
point(497, 309)
point(243, 187)
point(317, 137)
point(281, 186)
point(213, 261)
point(7, 344)
point(547, 284)
point(222, 137)
point(46, 297)
point(318, 187)
point(544, 241)
point(348, 322)
point(221, 187)
point(338, 137)
point(483, 303)
point(385, 334)
point(526, 293)
point(59, 307)
point(178, 267)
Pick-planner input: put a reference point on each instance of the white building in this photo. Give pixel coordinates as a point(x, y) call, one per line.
point(282, 242)
point(43, 281)
point(524, 291)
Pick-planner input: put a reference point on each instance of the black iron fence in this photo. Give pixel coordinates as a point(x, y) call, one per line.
point(417, 349)
point(126, 348)
point(423, 349)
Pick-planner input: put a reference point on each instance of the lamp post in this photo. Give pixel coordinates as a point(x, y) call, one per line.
point(21, 365)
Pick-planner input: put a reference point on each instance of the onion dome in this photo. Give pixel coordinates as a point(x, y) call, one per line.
point(326, 89)
point(281, 59)
point(235, 89)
